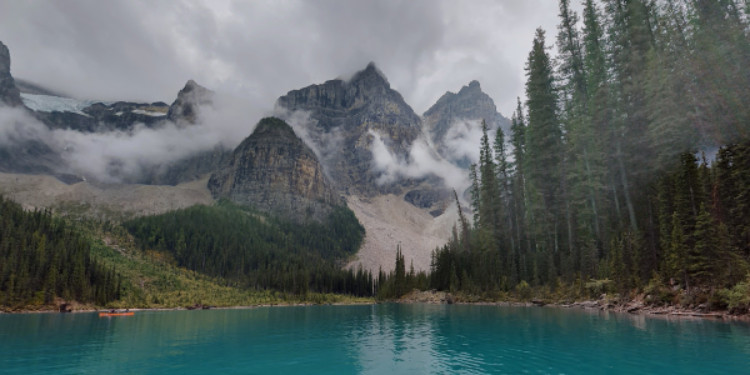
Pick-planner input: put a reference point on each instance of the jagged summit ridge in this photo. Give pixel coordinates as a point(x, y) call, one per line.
point(371, 75)
point(343, 115)
point(189, 99)
point(448, 118)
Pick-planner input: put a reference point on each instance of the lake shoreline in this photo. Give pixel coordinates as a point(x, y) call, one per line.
point(633, 307)
point(49, 309)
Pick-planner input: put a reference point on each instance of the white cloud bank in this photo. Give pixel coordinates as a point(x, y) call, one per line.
point(119, 155)
point(421, 162)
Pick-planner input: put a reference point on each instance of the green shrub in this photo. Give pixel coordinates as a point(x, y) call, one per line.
point(738, 297)
point(657, 293)
point(596, 288)
point(523, 290)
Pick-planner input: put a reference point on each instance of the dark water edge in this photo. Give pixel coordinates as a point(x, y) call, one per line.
point(372, 339)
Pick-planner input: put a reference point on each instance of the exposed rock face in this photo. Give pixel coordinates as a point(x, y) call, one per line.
point(427, 198)
point(58, 112)
point(470, 104)
point(9, 94)
point(91, 116)
point(342, 117)
point(101, 117)
point(20, 152)
point(185, 108)
point(275, 172)
point(184, 111)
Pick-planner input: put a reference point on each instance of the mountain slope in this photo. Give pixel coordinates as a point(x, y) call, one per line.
point(274, 171)
point(344, 117)
point(348, 125)
point(100, 201)
point(390, 222)
point(353, 126)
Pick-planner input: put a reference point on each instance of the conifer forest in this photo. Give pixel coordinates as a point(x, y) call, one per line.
point(628, 165)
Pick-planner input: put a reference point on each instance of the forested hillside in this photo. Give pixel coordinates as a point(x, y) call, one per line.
point(254, 251)
point(42, 257)
point(613, 179)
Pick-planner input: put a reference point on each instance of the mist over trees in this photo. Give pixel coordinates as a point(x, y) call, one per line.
point(612, 171)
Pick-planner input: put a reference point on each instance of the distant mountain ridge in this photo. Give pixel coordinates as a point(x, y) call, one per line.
point(342, 118)
point(328, 157)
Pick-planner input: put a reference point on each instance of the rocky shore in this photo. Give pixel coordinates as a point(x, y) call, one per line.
point(636, 306)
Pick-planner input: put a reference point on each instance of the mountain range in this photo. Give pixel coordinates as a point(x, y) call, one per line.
point(353, 143)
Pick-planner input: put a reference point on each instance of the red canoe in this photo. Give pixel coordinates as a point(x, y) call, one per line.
point(130, 313)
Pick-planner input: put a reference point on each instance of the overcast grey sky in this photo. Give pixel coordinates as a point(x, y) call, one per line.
point(259, 50)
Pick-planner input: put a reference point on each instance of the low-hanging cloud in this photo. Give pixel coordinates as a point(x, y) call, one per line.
point(17, 126)
point(325, 144)
point(125, 155)
point(144, 50)
point(422, 162)
point(462, 140)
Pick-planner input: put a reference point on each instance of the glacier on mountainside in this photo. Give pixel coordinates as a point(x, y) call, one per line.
point(49, 103)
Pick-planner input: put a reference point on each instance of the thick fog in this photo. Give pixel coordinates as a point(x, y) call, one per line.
point(258, 50)
point(250, 53)
point(115, 156)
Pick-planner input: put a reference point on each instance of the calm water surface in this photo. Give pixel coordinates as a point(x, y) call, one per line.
point(378, 339)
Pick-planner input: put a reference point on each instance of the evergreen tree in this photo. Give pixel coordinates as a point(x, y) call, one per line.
point(543, 148)
point(521, 215)
point(490, 207)
point(508, 232)
point(474, 192)
point(703, 257)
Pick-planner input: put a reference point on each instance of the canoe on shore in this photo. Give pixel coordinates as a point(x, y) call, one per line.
point(129, 313)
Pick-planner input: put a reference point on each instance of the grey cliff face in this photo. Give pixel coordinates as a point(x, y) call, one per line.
point(9, 94)
point(23, 155)
point(275, 172)
point(185, 108)
point(469, 104)
point(342, 116)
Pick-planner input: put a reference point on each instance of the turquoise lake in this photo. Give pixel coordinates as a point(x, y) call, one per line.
point(375, 339)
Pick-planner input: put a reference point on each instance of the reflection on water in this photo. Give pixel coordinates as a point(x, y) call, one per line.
point(377, 339)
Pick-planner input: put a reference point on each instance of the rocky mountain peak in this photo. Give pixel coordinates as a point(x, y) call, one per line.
point(9, 94)
point(274, 171)
point(4, 59)
point(191, 85)
point(189, 99)
point(342, 115)
point(273, 129)
point(454, 110)
point(370, 76)
point(472, 86)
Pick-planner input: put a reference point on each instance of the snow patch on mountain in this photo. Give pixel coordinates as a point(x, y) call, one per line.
point(49, 103)
point(149, 113)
